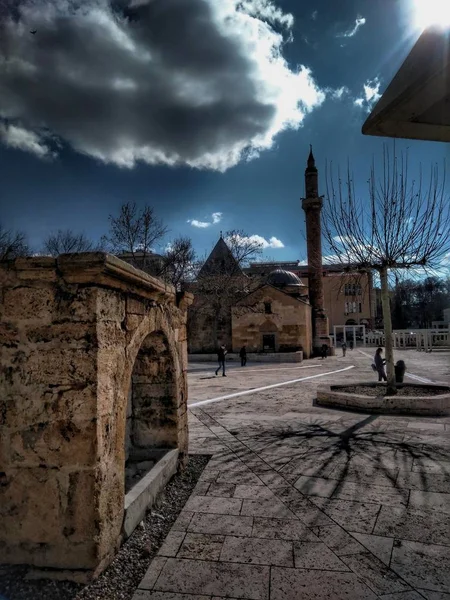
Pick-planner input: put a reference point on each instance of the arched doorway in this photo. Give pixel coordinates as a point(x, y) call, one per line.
point(152, 415)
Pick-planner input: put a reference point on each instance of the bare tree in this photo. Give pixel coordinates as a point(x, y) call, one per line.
point(12, 243)
point(404, 224)
point(179, 262)
point(65, 241)
point(135, 231)
point(220, 285)
point(243, 247)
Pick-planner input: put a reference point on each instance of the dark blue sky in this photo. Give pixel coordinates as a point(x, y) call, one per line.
point(77, 190)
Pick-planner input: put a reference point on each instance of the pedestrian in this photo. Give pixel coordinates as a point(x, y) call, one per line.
point(243, 355)
point(221, 353)
point(351, 344)
point(324, 351)
point(344, 348)
point(379, 362)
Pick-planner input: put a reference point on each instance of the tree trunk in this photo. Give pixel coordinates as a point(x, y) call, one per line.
point(387, 319)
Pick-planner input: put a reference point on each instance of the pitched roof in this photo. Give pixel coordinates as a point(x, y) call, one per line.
point(220, 261)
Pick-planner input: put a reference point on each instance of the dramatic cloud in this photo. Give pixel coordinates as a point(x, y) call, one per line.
point(215, 218)
point(199, 82)
point(359, 22)
point(371, 94)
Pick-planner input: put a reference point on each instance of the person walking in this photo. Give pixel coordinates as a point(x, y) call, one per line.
point(379, 364)
point(344, 348)
point(243, 355)
point(324, 351)
point(221, 353)
point(351, 344)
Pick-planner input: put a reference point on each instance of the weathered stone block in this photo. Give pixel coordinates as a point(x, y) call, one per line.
point(28, 303)
point(61, 366)
point(74, 335)
point(110, 305)
point(30, 509)
point(54, 444)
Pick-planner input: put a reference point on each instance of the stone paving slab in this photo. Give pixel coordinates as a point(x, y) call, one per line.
point(316, 555)
point(423, 565)
point(297, 584)
point(416, 525)
point(191, 576)
point(201, 546)
point(282, 529)
point(223, 525)
point(305, 502)
point(257, 551)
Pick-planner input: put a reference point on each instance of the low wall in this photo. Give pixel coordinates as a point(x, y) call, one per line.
point(334, 397)
point(281, 357)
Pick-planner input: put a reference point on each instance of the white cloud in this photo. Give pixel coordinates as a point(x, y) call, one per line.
point(339, 93)
point(371, 94)
point(314, 15)
point(17, 137)
point(200, 224)
point(272, 242)
point(216, 217)
point(200, 83)
point(359, 22)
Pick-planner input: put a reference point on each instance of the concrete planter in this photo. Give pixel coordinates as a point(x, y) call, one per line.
point(334, 396)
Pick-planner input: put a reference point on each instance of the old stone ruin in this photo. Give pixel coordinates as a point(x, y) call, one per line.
point(92, 374)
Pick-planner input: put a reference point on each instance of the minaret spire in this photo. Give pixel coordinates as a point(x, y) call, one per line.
point(311, 160)
point(312, 205)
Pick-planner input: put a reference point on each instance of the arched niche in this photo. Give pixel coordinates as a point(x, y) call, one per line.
point(152, 408)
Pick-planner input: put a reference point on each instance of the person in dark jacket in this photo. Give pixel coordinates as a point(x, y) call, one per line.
point(243, 355)
point(324, 351)
point(379, 364)
point(344, 348)
point(221, 359)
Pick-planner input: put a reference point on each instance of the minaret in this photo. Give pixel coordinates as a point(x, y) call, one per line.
point(312, 205)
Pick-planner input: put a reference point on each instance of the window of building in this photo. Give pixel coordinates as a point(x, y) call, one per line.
point(350, 289)
point(359, 307)
point(268, 308)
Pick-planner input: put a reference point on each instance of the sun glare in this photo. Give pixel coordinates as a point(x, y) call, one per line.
point(432, 13)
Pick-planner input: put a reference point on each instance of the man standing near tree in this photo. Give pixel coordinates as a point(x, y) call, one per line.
point(221, 353)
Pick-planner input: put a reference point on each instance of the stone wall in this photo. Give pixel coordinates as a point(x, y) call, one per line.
point(289, 321)
point(74, 332)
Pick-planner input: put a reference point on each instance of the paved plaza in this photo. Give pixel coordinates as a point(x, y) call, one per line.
point(302, 502)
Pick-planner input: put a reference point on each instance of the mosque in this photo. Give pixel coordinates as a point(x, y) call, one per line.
point(278, 307)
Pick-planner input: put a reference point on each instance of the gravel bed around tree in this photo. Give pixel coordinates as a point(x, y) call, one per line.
point(122, 577)
point(380, 390)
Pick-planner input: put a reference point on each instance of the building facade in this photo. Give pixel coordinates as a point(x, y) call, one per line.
point(306, 301)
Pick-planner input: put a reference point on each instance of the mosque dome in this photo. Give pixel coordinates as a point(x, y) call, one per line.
point(280, 278)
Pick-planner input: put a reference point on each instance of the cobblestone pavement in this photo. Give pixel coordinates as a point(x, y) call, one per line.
point(302, 502)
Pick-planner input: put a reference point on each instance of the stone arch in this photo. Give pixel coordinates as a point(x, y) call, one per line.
point(152, 399)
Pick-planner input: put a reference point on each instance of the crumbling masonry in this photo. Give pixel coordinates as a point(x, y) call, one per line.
point(78, 333)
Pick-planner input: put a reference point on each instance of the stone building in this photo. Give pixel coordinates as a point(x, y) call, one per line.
point(349, 298)
point(219, 284)
point(276, 317)
point(224, 310)
point(93, 361)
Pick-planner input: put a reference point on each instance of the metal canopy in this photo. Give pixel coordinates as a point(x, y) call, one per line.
point(416, 105)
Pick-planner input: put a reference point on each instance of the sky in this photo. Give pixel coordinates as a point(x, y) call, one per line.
point(202, 109)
